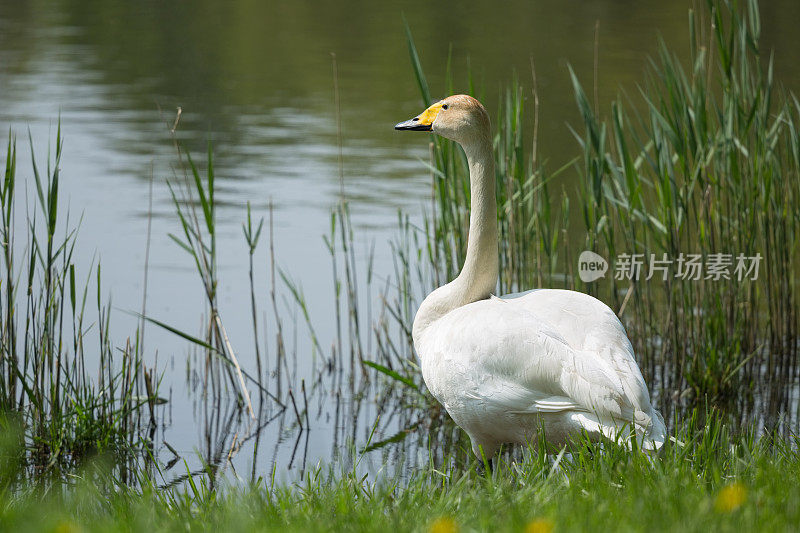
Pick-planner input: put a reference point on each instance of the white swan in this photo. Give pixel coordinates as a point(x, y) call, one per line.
point(504, 367)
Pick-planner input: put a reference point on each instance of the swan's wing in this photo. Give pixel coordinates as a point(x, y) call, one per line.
point(512, 359)
point(595, 332)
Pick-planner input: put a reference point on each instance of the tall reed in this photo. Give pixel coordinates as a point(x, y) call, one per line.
point(49, 354)
point(703, 161)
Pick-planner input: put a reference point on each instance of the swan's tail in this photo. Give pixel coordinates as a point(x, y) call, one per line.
point(650, 435)
point(655, 434)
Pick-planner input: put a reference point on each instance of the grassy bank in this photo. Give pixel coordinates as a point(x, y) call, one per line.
point(714, 482)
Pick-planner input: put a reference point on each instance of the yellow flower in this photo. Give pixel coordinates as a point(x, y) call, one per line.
point(730, 498)
point(67, 527)
point(540, 525)
point(444, 524)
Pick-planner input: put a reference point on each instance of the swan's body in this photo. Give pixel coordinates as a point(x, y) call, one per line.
point(506, 367)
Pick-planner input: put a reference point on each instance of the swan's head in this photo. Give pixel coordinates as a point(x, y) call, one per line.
point(460, 118)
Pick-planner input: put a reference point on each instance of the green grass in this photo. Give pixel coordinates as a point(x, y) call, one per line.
point(716, 482)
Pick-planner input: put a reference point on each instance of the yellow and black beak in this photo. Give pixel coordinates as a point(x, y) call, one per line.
point(422, 122)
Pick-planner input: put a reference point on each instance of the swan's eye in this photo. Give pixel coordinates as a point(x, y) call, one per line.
point(444, 106)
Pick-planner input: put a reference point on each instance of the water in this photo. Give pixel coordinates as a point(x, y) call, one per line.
point(257, 81)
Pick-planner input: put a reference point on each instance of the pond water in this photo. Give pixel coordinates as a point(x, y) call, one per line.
point(256, 79)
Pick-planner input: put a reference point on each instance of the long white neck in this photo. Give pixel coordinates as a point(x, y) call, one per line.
point(478, 278)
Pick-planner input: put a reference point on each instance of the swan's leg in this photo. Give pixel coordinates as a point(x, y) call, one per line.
point(485, 453)
point(485, 468)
